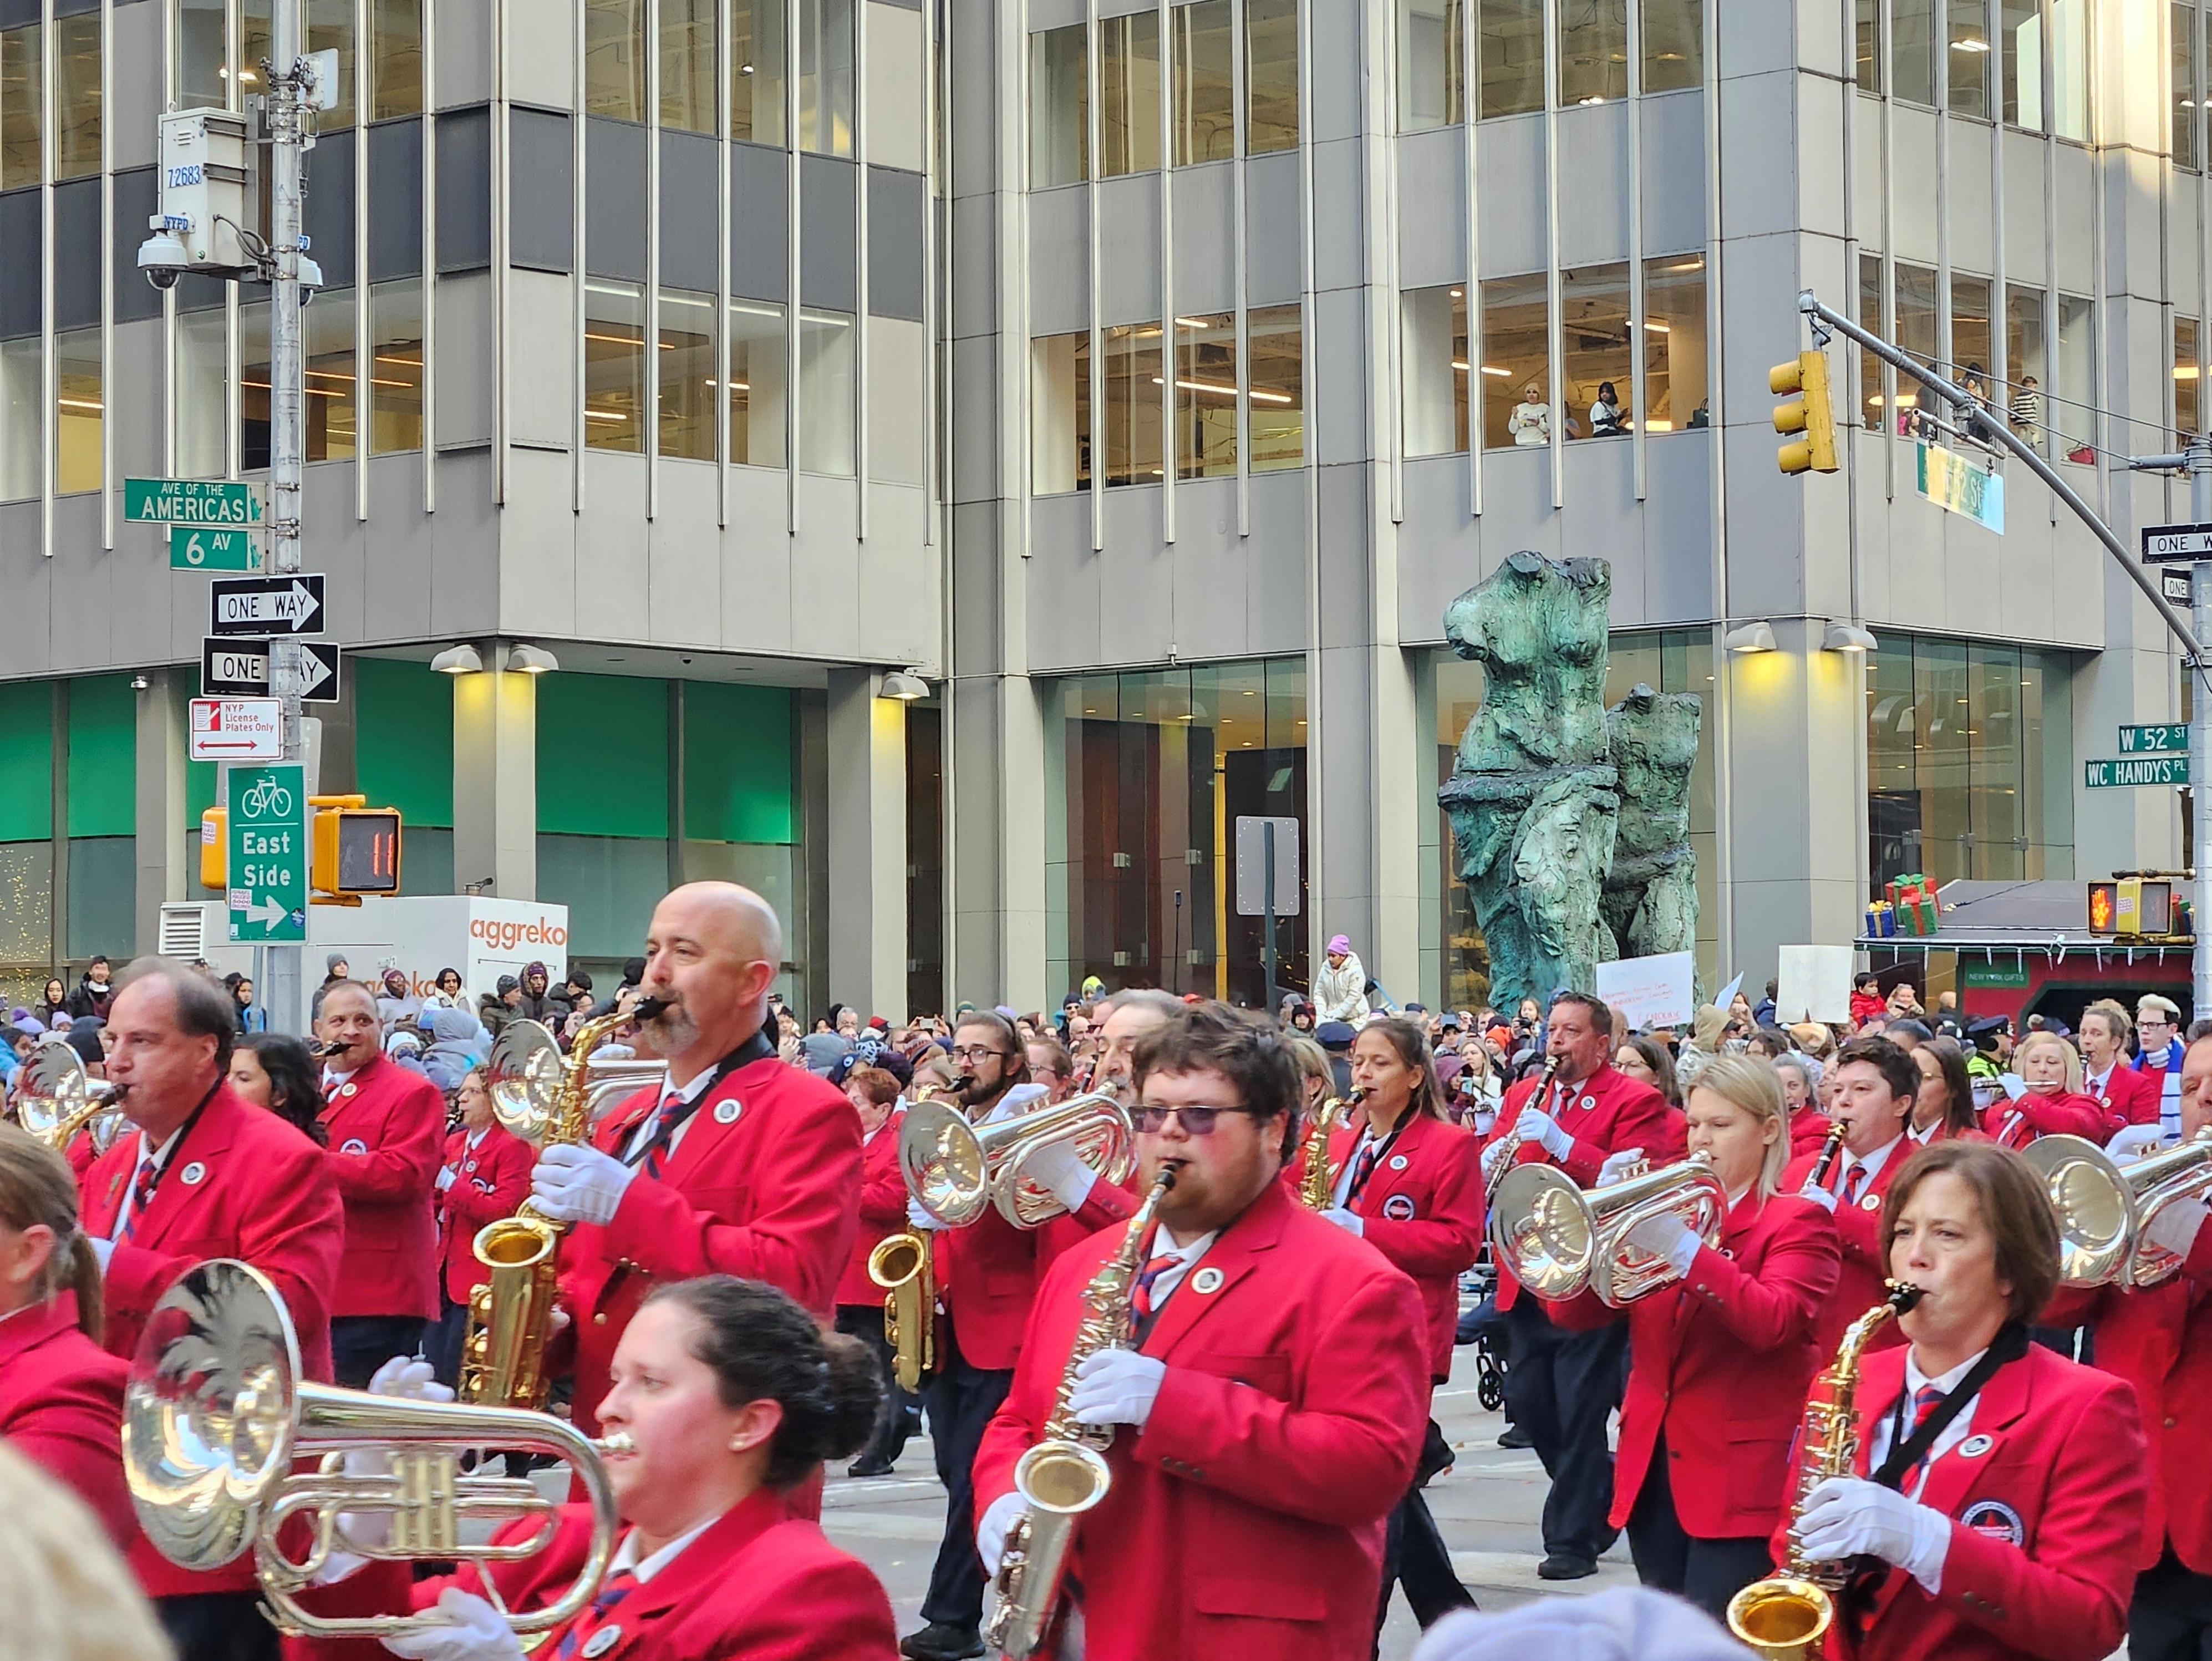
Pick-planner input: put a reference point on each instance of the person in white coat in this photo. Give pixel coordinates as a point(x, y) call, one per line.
point(1340, 990)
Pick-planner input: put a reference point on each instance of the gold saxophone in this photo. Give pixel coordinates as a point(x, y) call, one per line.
point(904, 1264)
point(511, 1313)
point(1066, 1474)
point(1319, 1191)
point(1786, 1617)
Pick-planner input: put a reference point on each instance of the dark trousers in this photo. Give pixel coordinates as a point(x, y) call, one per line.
point(961, 1400)
point(218, 1626)
point(1414, 1555)
point(2171, 1619)
point(888, 1440)
point(1560, 1386)
point(442, 1342)
point(361, 1343)
point(1707, 1573)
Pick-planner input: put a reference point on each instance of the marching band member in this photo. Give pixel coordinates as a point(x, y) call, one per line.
point(2158, 1051)
point(1809, 1125)
point(202, 1174)
point(732, 1397)
point(738, 1165)
point(383, 1126)
point(2126, 1095)
point(2052, 1105)
point(61, 1394)
point(1409, 1183)
point(1561, 1387)
point(1128, 1017)
point(1876, 1086)
point(1251, 1480)
point(1943, 1106)
point(2002, 1487)
point(485, 1176)
point(1731, 1343)
point(874, 1093)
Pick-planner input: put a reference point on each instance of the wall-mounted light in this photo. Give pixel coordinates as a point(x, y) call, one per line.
point(1847, 637)
point(531, 660)
point(1750, 637)
point(139, 683)
point(905, 687)
point(458, 660)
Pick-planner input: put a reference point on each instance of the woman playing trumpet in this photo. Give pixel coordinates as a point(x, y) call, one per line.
point(1730, 1344)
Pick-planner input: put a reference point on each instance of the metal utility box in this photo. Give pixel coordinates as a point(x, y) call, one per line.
point(208, 193)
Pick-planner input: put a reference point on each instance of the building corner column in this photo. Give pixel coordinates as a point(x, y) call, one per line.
point(162, 799)
point(867, 845)
point(496, 779)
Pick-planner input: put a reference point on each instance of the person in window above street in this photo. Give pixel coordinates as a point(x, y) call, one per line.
point(1607, 418)
point(1530, 423)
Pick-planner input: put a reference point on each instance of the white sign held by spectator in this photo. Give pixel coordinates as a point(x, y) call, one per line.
point(1813, 983)
point(1656, 991)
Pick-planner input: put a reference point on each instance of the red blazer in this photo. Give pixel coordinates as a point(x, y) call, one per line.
point(489, 1184)
point(2128, 1098)
point(2046, 1520)
point(1720, 1361)
point(61, 1407)
point(1808, 1130)
point(759, 1583)
point(1604, 1113)
point(244, 1185)
point(883, 1211)
point(1674, 1141)
point(1245, 1521)
point(764, 1184)
point(1424, 1210)
point(387, 1128)
point(2015, 1124)
point(1863, 1269)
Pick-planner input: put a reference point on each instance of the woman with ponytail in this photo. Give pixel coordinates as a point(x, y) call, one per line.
point(61, 1394)
point(730, 1395)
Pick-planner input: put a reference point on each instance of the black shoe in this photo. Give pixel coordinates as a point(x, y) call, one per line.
point(940, 1640)
point(1560, 1567)
point(876, 1467)
point(1515, 1437)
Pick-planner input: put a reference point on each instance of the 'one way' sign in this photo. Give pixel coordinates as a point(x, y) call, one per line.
point(290, 604)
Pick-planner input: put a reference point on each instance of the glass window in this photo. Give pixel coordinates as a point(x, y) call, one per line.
point(1916, 330)
point(1060, 108)
point(687, 66)
point(757, 70)
point(1512, 45)
point(1869, 45)
point(2021, 27)
point(2069, 68)
point(256, 42)
point(1205, 83)
point(2024, 361)
point(1276, 336)
point(2185, 84)
point(203, 379)
point(687, 373)
point(202, 77)
point(1271, 75)
point(1871, 367)
point(330, 401)
point(329, 29)
point(825, 392)
point(1675, 395)
point(1060, 414)
point(76, 95)
point(21, 105)
point(1674, 45)
point(614, 365)
point(395, 78)
point(1432, 350)
point(395, 372)
point(614, 59)
point(1205, 396)
point(1969, 57)
point(1134, 451)
point(1912, 45)
point(77, 408)
point(1970, 333)
point(21, 398)
point(1431, 63)
point(1129, 94)
point(2075, 394)
point(1593, 51)
point(1516, 363)
point(826, 80)
point(1593, 330)
point(2187, 377)
point(756, 371)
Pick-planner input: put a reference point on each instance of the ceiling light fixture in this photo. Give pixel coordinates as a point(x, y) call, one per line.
point(531, 660)
point(458, 660)
point(1750, 637)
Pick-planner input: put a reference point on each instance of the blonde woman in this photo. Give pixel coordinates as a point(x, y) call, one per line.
point(68, 1595)
point(2052, 1104)
point(1730, 1343)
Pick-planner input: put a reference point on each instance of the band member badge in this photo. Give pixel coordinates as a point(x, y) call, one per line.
point(1399, 1208)
point(727, 1112)
point(1870, 1203)
point(1975, 1446)
point(1993, 1519)
point(347, 1088)
point(1397, 1162)
point(1588, 1104)
point(192, 1175)
point(1207, 1279)
point(354, 1145)
point(600, 1642)
point(470, 1166)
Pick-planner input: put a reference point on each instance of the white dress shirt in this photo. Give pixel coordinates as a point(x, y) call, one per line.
point(690, 1092)
point(626, 1558)
point(1930, 1576)
point(1164, 1244)
point(157, 1158)
point(1872, 1162)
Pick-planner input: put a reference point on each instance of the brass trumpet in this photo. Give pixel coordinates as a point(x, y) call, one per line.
point(59, 1099)
point(216, 1412)
point(1561, 1240)
point(954, 1169)
point(2106, 1209)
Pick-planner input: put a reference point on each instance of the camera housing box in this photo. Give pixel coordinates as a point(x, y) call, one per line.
point(207, 189)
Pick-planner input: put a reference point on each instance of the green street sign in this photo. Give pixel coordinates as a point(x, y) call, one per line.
point(2148, 769)
point(190, 502)
point(191, 549)
point(268, 854)
point(2172, 738)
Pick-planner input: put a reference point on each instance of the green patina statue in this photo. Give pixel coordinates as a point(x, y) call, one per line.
point(1651, 897)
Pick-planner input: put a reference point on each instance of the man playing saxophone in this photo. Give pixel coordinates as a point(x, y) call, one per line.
point(1250, 1479)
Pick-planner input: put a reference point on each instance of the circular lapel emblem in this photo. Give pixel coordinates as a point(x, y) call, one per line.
point(1587, 1103)
point(1993, 1519)
point(727, 1112)
point(470, 1166)
point(601, 1642)
point(192, 1175)
point(354, 1145)
point(1397, 1162)
point(347, 1088)
point(1870, 1203)
point(1399, 1208)
point(1975, 1446)
point(1207, 1279)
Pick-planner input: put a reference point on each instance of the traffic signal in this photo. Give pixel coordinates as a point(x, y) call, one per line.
point(354, 849)
point(1807, 413)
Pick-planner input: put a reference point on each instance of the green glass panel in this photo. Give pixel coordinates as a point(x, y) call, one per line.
point(738, 764)
point(26, 761)
point(602, 757)
point(103, 757)
point(404, 734)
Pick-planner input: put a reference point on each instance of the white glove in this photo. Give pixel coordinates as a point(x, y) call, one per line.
point(1055, 1167)
point(574, 1184)
point(1116, 1387)
point(1347, 1219)
point(102, 1250)
point(916, 1218)
point(1484, 1119)
point(1818, 1195)
point(478, 1633)
point(445, 1178)
point(1616, 1165)
point(1535, 1125)
point(1846, 1515)
point(1493, 1163)
point(991, 1531)
point(2175, 1227)
point(1666, 1236)
point(2133, 1142)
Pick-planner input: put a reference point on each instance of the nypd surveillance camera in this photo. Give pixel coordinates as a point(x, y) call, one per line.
point(163, 257)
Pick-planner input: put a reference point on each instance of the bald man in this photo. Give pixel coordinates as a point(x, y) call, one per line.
point(737, 1164)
